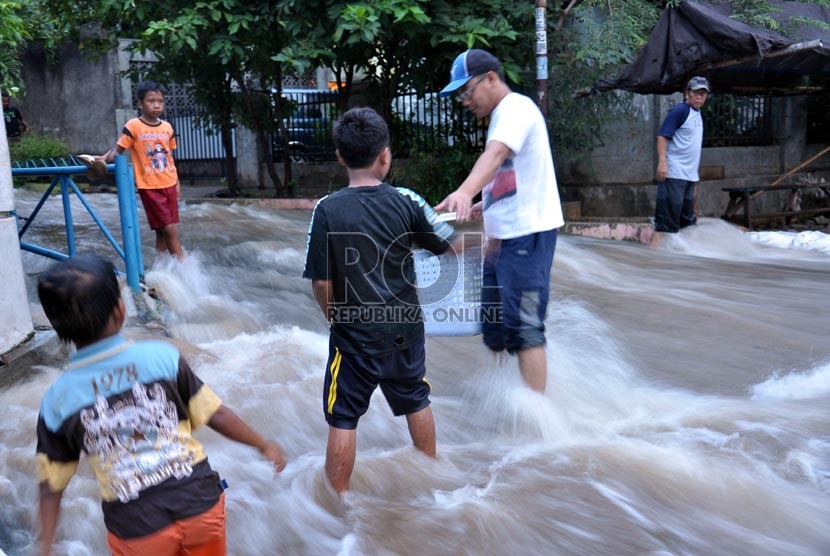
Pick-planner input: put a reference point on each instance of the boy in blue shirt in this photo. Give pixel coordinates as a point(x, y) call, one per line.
point(132, 408)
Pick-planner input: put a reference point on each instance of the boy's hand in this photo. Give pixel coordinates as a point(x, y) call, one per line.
point(273, 453)
point(178, 190)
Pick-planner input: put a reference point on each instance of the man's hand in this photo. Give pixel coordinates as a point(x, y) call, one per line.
point(273, 453)
point(178, 190)
point(477, 211)
point(458, 202)
point(662, 171)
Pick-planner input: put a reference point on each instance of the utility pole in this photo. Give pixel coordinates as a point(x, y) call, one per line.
point(542, 57)
point(15, 318)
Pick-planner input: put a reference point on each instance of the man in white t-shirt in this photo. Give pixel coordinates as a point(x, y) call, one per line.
point(521, 210)
point(679, 143)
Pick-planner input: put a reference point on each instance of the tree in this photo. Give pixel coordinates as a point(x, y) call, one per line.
point(21, 21)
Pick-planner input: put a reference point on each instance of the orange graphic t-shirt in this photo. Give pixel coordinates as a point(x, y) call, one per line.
point(151, 148)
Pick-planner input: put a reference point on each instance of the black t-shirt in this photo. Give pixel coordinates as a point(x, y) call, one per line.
point(361, 239)
point(14, 121)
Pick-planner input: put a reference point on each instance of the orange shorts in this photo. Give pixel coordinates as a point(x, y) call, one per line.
point(200, 535)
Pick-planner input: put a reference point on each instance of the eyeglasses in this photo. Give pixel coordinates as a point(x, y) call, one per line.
point(461, 97)
point(700, 93)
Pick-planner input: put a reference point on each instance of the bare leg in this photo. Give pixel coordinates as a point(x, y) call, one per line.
point(161, 245)
point(534, 367)
point(657, 239)
point(340, 454)
point(171, 243)
point(422, 430)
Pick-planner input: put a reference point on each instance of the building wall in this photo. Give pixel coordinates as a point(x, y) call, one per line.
point(73, 99)
point(613, 173)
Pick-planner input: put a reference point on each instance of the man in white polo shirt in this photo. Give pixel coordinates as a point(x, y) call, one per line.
point(679, 142)
point(520, 205)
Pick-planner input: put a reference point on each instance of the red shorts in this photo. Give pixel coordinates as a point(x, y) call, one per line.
point(161, 206)
point(200, 535)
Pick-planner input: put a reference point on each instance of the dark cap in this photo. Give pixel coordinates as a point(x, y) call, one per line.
point(467, 65)
point(696, 83)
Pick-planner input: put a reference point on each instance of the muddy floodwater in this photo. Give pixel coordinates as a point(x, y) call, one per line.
point(687, 410)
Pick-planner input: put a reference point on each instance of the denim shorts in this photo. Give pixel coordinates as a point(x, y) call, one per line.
point(516, 278)
point(675, 206)
point(351, 379)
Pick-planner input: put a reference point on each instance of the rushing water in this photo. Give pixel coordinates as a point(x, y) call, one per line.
point(687, 409)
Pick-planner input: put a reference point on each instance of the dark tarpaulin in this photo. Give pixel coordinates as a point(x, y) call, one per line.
point(701, 39)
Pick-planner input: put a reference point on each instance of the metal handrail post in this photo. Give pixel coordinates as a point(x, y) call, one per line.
point(126, 208)
point(139, 255)
point(67, 216)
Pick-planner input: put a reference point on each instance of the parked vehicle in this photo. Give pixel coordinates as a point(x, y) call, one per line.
point(311, 113)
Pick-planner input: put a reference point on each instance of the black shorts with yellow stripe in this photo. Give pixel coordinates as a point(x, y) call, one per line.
point(351, 380)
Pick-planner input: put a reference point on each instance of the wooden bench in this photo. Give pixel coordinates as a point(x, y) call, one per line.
point(741, 198)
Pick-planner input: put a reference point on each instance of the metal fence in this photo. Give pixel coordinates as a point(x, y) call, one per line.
point(196, 140)
point(423, 123)
point(430, 123)
point(734, 121)
point(199, 153)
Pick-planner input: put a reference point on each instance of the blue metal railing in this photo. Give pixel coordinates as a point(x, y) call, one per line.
point(62, 177)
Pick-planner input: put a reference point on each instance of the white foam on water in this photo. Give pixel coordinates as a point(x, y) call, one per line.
point(812, 384)
point(191, 310)
point(608, 461)
point(805, 241)
point(717, 239)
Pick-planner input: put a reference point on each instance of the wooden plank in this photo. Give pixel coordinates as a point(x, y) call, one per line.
point(752, 188)
point(793, 171)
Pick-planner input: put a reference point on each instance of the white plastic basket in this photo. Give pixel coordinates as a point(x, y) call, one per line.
point(449, 290)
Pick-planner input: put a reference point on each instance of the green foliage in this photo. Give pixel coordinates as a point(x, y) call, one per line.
point(14, 34)
point(434, 175)
point(756, 13)
point(22, 21)
point(600, 36)
point(34, 146)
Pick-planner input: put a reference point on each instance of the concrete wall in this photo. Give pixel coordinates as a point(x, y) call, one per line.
point(312, 179)
point(74, 99)
point(616, 177)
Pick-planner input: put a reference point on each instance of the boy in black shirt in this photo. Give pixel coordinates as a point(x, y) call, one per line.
point(363, 279)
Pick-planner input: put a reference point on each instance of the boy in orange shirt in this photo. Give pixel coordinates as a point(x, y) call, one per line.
point(151, 141)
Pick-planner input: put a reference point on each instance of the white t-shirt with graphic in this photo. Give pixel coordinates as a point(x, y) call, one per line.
point(523, 197)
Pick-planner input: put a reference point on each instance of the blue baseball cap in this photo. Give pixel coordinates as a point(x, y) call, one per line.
point(467, 65)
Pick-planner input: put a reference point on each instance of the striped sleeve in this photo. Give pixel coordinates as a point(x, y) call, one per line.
point(127, 137)
point(173, 137)
point(443, 229)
